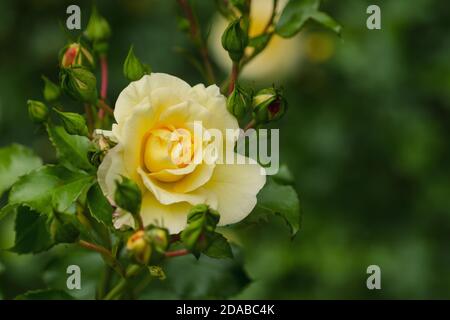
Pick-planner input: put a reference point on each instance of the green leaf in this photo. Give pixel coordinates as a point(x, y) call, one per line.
point(15, 161)
point(72, 150)
point(298, 12)
point(199, 232)
point(260, 42)
point(327, 21)
point(32, 232)
point(281, 200)
point(99, 206)
point(6, 210)
point(50, 184)
point(64, 228)
point(128, 196)
point(46, 294)
point(219, 247)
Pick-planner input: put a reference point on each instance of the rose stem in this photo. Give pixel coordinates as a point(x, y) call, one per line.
point(196, 37)
point(89, 117)
point(233, 76)
point(104, 84)
point(176, 253)
point(250, 125)
point(102, 250)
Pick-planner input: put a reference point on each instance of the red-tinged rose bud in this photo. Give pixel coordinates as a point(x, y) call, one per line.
point(140, 247)
point(76, 54)
point(268, 105)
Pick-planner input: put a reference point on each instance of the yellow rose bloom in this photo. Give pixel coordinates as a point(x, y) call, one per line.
point(280, 58)
point(156, 146)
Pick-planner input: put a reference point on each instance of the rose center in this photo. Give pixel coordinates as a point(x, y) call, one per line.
point(168, 148)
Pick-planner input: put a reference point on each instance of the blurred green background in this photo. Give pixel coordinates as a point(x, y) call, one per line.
point(366, 138)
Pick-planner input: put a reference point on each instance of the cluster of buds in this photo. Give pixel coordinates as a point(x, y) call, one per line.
point(145, 244)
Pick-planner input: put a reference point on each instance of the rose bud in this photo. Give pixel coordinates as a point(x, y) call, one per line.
point(79, 83)
point(98, 28)
point(160, 238)
point(139, 245)
point(239, 102)
point(268, 105)
point(74, 123)
point(76, 54)
point(235, 40)
point(133, 69)
point(37, 111)
point(51, 90)
point(128, 196)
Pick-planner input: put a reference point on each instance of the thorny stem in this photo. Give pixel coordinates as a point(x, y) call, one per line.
point(196, 37)
point(176, 253)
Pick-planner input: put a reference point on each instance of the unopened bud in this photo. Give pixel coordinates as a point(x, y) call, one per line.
point(80, 84)
point(139, 245)
point(133, 69)
point(76, 54)
point(268, 105)
point(74, 123)
point(37, 111)
point(159, 238)
point(238, 103)
point(98, 28)
point(51, 90)
point(235, 40)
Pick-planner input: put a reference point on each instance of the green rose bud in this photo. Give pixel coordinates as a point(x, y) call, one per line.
point(37, 111)
point(235, 40)
point(140, 247)
point(51, 90)
point(76, 54)
point(268, 105)
point(74, 123)
point(202, 222)
point(133, 69)
point(79, 83)
point(98, 28)
point(128, 196)
point(159, 238)
point(239, 102)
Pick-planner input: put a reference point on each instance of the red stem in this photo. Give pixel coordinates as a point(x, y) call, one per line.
point(176, 253)
point(104, 84)
point(233, 76)
point(104, 68)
